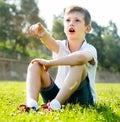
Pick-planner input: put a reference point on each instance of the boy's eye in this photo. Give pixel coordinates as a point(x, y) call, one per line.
point(67, 20)
point(77, 20)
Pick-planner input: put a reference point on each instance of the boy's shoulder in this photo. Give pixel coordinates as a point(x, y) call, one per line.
point(88, 47)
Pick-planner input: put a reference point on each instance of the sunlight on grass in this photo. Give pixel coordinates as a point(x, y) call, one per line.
point(107, 108)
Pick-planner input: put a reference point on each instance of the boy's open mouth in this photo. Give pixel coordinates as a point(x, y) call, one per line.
point(71, 30)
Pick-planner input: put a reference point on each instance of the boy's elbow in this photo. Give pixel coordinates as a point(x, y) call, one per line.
point(82, 59)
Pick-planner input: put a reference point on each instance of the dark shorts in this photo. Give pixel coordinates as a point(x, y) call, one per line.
point(81, 96)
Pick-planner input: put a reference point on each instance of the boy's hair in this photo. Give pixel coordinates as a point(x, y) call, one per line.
point(75, 8)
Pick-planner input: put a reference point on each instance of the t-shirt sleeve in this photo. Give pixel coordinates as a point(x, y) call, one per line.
point(61, 50)
point(92, 50)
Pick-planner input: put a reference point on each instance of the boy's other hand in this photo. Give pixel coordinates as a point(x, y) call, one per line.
point(37, 30)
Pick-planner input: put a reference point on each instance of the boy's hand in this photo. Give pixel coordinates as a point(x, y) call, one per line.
point(44, 63)
point(37, 30)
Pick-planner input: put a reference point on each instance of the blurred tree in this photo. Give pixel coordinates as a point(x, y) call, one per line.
point(30, 12)
point(14, 22)
point(111, 59)
point(5, 21)
point(111, 29)
point(58, 28)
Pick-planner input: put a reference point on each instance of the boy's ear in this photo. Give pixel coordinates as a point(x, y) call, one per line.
point(88, 28)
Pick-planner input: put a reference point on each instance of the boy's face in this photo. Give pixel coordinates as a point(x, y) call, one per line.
point(74, 25)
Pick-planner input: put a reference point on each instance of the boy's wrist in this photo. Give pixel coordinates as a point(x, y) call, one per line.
point(43, 34)
point(50, 63)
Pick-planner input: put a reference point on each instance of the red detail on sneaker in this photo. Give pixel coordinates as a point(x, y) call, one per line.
point(46, 107)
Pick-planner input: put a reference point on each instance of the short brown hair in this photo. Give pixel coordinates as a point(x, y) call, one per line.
point(75, 8)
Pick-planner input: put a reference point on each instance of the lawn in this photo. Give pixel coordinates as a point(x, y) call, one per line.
point(107, 108)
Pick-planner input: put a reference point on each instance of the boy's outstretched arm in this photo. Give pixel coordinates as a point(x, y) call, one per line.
point(38, 30)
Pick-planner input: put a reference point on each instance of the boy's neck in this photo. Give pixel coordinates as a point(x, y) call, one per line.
point(75, 45)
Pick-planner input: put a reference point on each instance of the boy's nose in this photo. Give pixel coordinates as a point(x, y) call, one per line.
point(71, 23)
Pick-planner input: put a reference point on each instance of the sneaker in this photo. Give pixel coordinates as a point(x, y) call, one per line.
point(23, 108)
point(46, 107)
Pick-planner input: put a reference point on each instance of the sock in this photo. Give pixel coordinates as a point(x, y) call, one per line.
point(32, 103)
point(55, 104)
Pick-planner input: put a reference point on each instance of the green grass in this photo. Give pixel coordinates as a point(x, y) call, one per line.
point(107, 108)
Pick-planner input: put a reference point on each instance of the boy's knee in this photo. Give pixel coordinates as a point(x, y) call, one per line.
point(79, 69)
point(33, 66)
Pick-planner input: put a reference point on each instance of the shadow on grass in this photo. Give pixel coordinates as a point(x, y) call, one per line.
point(107, 112)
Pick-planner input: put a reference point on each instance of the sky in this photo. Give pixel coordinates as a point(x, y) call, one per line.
point(102, 11)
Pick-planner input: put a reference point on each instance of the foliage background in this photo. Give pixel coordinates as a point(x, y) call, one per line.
point(15, 42)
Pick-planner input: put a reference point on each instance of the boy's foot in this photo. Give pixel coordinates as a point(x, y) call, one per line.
point(23, 108)
point(47, 107)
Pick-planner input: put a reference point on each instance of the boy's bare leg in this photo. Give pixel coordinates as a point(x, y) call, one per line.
point(36, 79)
point(72, 82)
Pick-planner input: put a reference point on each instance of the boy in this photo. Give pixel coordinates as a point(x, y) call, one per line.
point(76, 61)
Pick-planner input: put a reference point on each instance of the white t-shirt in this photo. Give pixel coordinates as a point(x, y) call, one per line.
point(63, 70)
